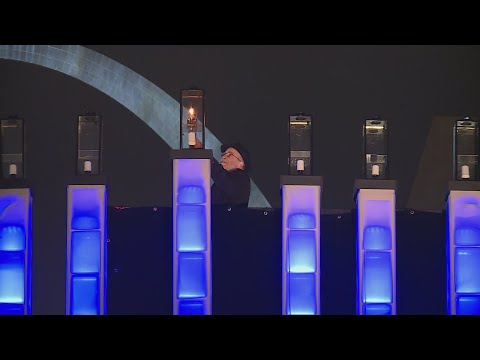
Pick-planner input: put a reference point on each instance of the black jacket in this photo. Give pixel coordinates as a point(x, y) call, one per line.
point(229, 188)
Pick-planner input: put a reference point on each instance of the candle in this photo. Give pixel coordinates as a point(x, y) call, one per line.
point(300, 165)
point(13, 169)
point(191, 139)
point(87, 166)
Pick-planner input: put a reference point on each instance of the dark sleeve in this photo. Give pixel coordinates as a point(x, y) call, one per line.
point(235, 184)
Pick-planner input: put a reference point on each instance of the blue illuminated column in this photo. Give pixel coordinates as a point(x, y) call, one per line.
point(463, 222)
point(15, 251)
point(376, 247)
point(86, 250)
point(192, 269)
point(86, 273)
point(376, 239)
point(463, 249)
point(463, 211)
point(15, 222)
point(301, 207)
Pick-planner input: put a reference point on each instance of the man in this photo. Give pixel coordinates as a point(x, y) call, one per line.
point(231, 181)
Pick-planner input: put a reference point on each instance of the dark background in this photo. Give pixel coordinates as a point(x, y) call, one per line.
point(251, 91)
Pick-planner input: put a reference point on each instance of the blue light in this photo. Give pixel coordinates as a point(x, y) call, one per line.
point(467, 270)
point(191, 195)
point(12, 277)
point(191, 228)
point(85, 295)
point(86, 209)
point(87, 256)
point(86, 250)
point(377, 309)
point(12, 238)
point(301, 221)
point(468, 305)
point(6, 202)
point(376, 251)
point(85, 223)
point(377, 238)
point(377, 213)
point(11, 309)
point(377, 281)
point(189, 307)
point(467, 236)
point(191, 231)
point(192, 282)
point(301, 246)
point(301, 297)
point(15, 252)
point(301, 251)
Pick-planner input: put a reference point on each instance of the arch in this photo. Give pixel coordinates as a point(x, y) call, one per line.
point(143, 98)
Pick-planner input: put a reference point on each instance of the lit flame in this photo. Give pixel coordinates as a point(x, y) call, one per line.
point(191, 111)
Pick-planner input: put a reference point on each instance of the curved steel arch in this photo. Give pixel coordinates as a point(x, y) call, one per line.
point(143, 98)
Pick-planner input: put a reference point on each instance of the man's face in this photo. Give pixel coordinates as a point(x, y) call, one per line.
point(231, 159)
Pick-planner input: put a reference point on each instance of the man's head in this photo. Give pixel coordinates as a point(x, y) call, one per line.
point(235, 156)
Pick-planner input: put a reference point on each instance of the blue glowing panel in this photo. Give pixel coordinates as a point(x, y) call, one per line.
point(85, 223)
point(12, 277)
point(301, 221)
point(377, 309)
point(377, 238)
point(378, 213)
point(12, 238)
point(86, 248)
point(6, 202)
point(86, 209)
point(85, 299)
point(377, 277)
point(467, 236)
point(191, 195)
point(301, 251)
point(301, 294)
point(192, 176)
point(11, 309)
point(466, 209)
point(192, 282)
point(468, 305)
point(467, 270)
point(189, 307)
point(191, 228)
